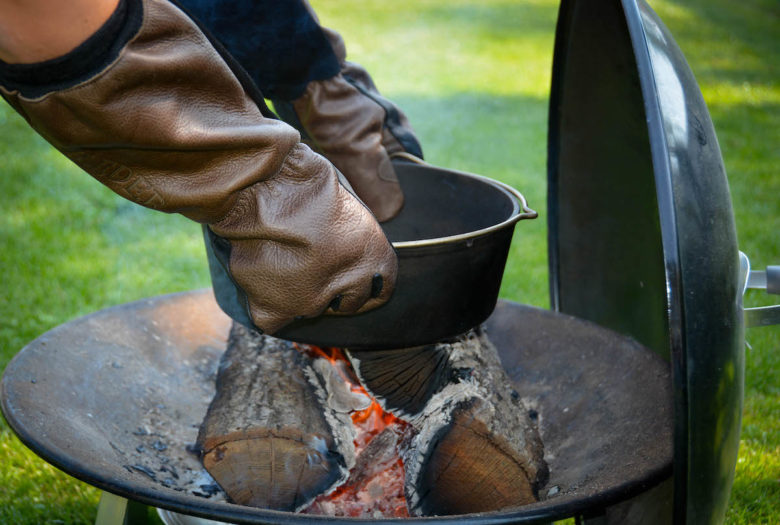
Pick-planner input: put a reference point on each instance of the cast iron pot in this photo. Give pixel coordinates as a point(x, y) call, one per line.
point(452, 238)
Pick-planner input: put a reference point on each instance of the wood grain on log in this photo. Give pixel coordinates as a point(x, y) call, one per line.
point(475, 448)
point(404, 380)
point(277, 433)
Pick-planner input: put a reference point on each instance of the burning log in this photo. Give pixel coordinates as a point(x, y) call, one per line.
point(289, 429)
point(277, 433)
point(476, 447)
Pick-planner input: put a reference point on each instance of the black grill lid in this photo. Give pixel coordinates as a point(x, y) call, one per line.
point(642, 236)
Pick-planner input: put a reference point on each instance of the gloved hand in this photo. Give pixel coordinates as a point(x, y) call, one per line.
point(346, 119)
point(167, 123)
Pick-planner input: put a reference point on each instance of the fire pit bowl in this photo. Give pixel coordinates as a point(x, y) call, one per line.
point(115, 398)
point(452, 238)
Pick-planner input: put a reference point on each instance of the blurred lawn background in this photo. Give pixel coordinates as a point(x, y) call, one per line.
point(473, 77)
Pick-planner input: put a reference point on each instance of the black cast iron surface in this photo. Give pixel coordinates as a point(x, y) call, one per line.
point(642, 237)
point(115, 397)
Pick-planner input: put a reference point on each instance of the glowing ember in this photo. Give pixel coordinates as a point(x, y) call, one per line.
point(375, 487)
point(381, 496)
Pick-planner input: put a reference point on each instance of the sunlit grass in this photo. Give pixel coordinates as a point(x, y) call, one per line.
point(474, 79)
point(32, 491)
point(441, 48)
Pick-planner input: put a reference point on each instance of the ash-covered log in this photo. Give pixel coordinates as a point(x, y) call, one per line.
point(277, 433)
point(475, 447)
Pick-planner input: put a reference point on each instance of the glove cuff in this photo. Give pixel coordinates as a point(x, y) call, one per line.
point(85, 61)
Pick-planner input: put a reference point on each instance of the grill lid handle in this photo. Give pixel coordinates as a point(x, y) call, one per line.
point(768, 280)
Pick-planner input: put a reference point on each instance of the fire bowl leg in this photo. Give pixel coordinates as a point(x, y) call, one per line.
point(116, 510)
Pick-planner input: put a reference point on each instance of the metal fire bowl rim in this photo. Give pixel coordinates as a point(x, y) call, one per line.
point(192, 321)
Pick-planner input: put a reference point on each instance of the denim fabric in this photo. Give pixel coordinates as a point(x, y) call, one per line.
point(278, 42)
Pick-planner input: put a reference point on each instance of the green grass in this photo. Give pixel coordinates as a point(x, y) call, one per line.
point(474, 79)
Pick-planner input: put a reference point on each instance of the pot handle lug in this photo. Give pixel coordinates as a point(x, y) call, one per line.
point(768, 280)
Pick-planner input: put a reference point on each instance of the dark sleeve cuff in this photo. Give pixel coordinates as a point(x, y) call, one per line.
point(87, 60)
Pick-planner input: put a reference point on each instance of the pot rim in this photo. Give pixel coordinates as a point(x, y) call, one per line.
point(520, 211)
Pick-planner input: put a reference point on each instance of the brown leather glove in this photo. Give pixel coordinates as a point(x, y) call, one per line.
point(169, 125)
point(347, 120)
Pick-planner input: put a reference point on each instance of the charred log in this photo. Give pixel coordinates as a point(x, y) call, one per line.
point(277, 433)
point(475, 446)
point(404, 380)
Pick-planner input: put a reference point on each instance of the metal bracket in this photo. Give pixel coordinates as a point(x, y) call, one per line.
point(768, 280)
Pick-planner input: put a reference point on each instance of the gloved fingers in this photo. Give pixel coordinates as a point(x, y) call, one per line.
point(306, 260)
point(269, 322)
point(382, 290)
point(355, 291)
point(377, 184)
point(347, 127)
point(363, 294)
point(366, 295)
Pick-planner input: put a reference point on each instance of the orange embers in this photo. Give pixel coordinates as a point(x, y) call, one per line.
point(372, 421)
point(381, 496)
point(375, 487)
